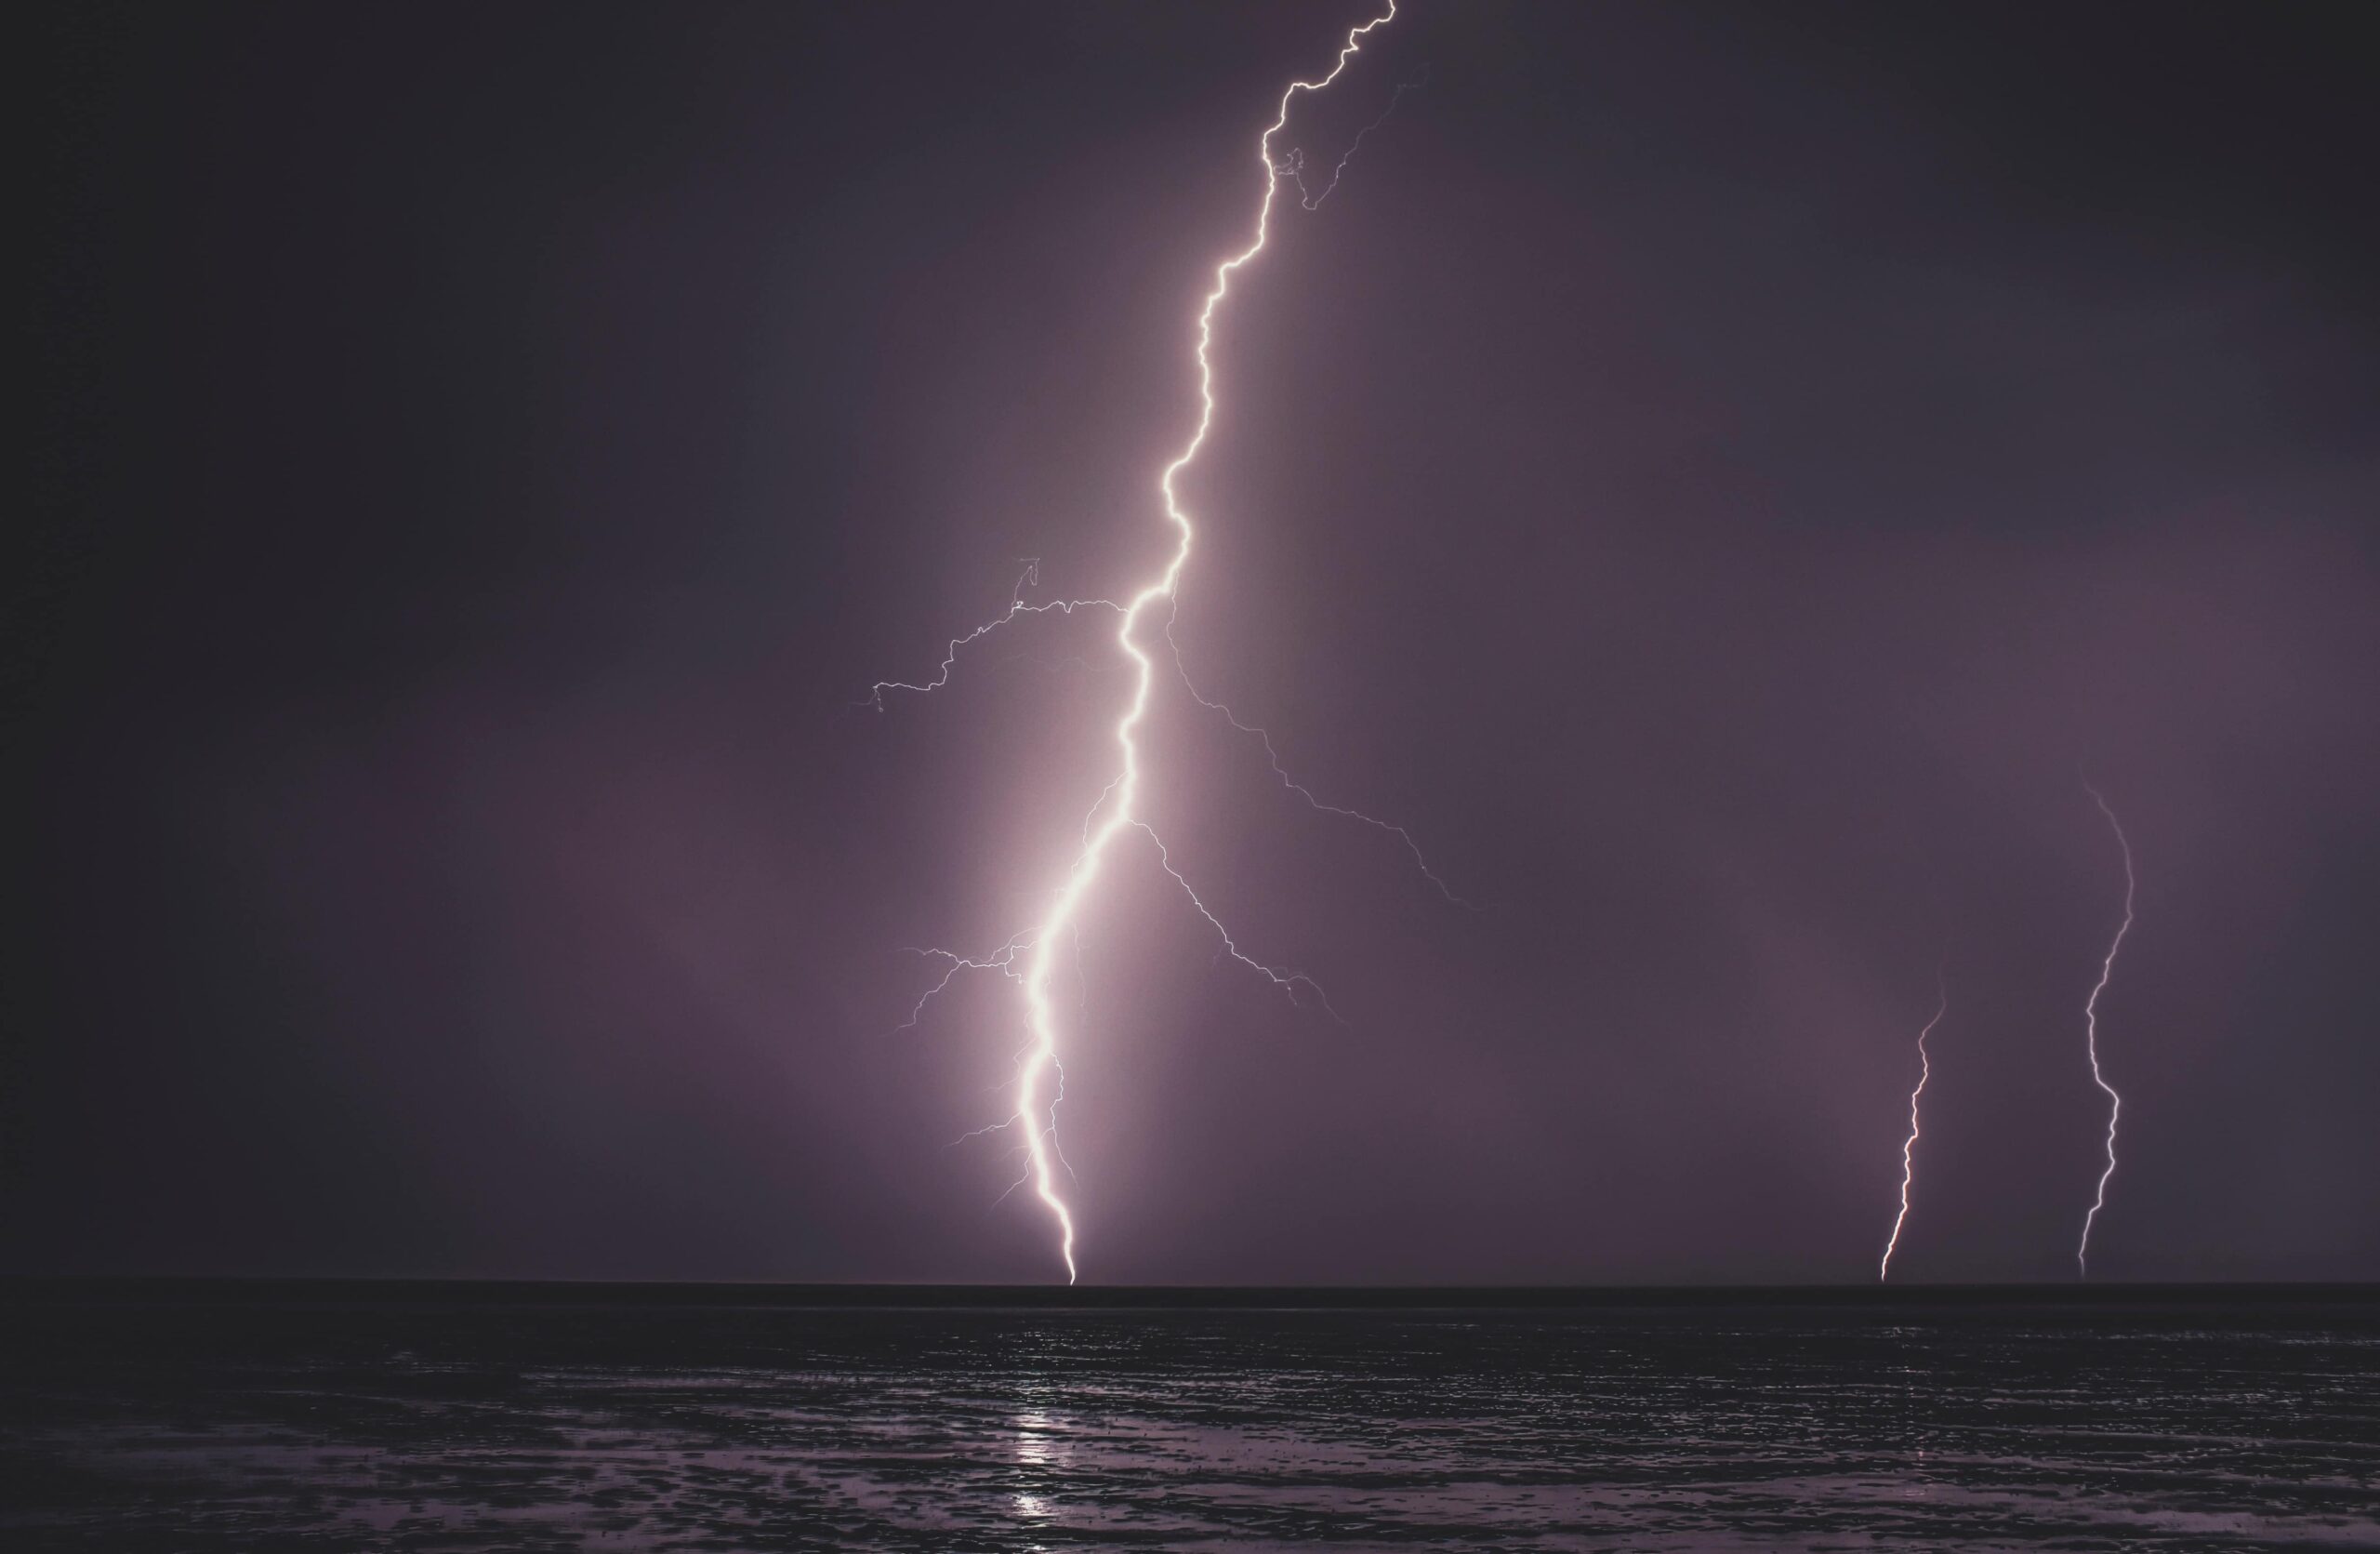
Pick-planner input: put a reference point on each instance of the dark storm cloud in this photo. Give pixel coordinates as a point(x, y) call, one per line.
point(1719, 476)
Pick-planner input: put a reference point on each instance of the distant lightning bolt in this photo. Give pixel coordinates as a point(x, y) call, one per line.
point(1908, 1145)
point(2091, 1029)
point(1116, 809)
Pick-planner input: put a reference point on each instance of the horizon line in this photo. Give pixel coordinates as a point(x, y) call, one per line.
point(50, 1288)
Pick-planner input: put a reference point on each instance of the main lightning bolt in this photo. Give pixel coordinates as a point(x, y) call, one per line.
point(2091, 1032)
point(1908, 1145)
point(1115, 811)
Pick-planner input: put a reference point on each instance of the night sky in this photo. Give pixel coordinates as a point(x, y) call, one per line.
point(1722, 475)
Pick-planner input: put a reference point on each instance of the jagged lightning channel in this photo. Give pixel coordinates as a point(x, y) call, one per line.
point(1908, 1145)
point(1114, 811)
point(2091, 1033)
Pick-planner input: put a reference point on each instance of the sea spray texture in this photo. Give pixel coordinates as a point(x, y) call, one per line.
point(2210, 1423)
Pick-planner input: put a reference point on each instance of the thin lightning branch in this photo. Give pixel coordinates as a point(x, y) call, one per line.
point(1000, 960)
point(1016, 606)
point(1303, 791)
point(974, 1134)
point(1117, 808)
point(1027, 1151)
point(1288, 981)
point(1049, 1134)
point(1294, 163)
point(1909, 1145)
point(2090, 1029)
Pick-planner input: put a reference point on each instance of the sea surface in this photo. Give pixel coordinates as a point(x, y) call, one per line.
point(362, 1421)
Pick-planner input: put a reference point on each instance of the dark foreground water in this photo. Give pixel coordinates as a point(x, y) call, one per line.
point(305, 1423)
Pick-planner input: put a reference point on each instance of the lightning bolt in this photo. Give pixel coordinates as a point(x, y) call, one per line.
point(1908, 1145)
point(1115, 811)
point(2091, 1031)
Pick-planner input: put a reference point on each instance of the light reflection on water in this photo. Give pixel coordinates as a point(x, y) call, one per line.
point(623, 1428)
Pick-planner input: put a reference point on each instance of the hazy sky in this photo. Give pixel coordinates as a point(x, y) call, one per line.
point(1720, 476)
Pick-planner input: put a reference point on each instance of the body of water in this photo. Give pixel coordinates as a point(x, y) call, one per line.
point(262, 1421)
